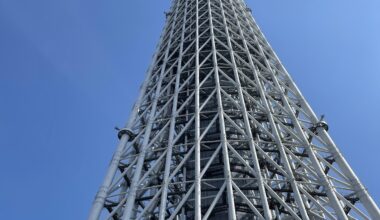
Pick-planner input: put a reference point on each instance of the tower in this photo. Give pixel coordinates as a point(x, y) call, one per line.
point(221, 131)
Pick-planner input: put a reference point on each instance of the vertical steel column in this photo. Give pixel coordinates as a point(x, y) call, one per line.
point(298, 196)
point(169, 153)
point(331, 192)
point(362, 193)
point(279, 143)
point(248, 129)
point(100, 197)
point(103, 190)
point(197, 152)
point(128, 211)
point(223, 136)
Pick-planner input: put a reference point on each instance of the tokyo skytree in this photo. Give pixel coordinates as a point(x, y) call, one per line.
point(221, 131)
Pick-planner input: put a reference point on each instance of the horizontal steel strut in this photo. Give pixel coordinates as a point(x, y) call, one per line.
point(221, 131)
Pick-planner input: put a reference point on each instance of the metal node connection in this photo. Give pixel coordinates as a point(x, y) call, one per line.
point(127, 132)
point(221, 131)
point(322, 124)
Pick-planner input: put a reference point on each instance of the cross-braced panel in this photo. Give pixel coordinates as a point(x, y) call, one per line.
point(220, 131)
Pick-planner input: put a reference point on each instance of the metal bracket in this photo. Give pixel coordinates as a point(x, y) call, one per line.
point(127, 131)
point(167, 14)
point(321, 124)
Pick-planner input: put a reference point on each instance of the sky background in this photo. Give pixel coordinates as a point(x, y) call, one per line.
point(70, 71)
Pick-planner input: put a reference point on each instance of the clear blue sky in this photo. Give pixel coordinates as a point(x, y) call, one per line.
point(70, 71)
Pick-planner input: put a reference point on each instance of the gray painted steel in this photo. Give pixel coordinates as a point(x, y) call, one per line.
point(220, 131)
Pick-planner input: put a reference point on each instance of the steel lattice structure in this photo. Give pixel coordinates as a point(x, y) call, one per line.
point(221, 131)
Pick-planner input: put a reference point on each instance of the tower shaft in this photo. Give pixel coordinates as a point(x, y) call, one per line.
point(221, 131)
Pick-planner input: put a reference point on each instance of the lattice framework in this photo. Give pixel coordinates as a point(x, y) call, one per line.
point(220, 130)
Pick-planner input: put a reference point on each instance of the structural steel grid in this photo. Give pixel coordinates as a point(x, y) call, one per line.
point(221, 131)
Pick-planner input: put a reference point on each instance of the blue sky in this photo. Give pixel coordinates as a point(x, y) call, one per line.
point(70, 71)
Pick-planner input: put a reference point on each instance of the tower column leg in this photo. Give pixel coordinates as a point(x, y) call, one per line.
point(361, 191)
point(248, 129)
point(100, 197)
point(226, 160)
point(197, 152)
point(103, 190)
point(130, 203)
point(169, 153)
